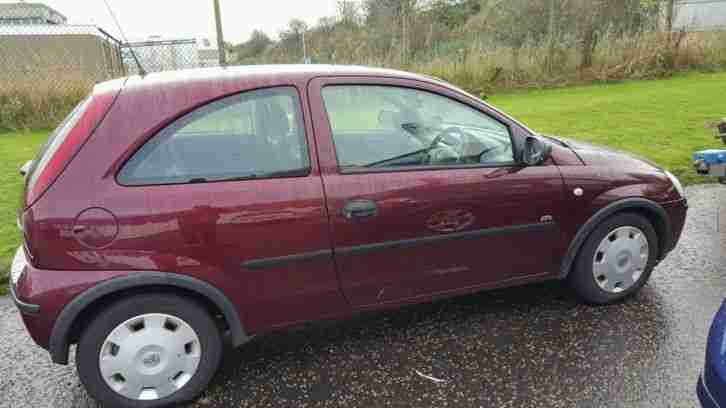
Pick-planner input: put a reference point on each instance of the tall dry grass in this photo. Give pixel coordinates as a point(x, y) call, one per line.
point(38, 104)
point(483, 69)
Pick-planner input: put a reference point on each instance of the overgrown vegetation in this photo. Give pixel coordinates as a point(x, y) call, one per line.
point(34, 106)
point(490, 45)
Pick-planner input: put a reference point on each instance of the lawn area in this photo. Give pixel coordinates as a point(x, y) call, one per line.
point(661, 120)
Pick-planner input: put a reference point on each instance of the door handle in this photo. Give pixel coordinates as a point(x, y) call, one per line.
point(360, 209)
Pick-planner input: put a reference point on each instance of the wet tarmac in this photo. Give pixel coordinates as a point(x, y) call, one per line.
point(520, 347)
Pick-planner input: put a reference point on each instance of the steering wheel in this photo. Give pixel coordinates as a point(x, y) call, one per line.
point(447, 154)
point(449, 131)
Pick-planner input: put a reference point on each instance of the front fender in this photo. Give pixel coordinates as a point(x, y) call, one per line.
point(651, 208)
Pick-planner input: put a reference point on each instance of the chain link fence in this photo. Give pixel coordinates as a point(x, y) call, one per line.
point(57, 57)
point(47, 65)
point(40, 52)
point(161, 55)
point(45, 69)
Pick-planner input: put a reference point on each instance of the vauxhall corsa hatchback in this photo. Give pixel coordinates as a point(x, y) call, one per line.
point(170, 211)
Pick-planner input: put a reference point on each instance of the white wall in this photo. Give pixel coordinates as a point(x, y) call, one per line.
point(698, 15)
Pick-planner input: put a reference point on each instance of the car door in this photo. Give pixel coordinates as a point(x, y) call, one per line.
point(236, 200)
point(411, 221)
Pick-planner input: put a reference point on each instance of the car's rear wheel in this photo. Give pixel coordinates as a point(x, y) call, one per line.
point(616, 260)
point(149, 350)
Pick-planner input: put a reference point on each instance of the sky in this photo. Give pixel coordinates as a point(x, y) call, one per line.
point(141, 19)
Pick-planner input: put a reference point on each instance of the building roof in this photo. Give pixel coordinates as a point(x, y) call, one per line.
point(30, 10)
point(49, 30)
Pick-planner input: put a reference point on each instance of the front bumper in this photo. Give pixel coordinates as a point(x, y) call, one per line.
point(711, 387)
point(704, 395)
point(676, 212)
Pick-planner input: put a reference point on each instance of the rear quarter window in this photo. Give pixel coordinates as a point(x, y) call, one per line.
point(256, 134)
point(53, 144)
point(56, 139)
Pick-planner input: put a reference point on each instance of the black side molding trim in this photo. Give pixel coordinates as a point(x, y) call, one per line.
point(59, 339)
point(407, 243)
point(264, 263)
point(26, 308)
point(602, 214)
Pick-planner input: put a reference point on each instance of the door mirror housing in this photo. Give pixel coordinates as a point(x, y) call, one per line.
point(536, 151)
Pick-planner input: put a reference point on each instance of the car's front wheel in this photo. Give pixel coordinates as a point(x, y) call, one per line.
point(616, 260)
point(149, 350)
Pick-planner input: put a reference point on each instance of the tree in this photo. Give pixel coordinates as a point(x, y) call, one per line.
point(392, 20)
point(514, 22)
point(349, 15)
point(257, 43)
point(291, 39)
point(252, 48)
point(453, 13)
point(589, 15)
point(670, 14)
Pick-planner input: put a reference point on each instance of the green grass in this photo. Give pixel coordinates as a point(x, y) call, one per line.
point(661, 120)
point(15, 150)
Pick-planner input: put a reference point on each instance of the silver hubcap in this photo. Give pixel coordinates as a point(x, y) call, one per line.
point(620, 259)
point(150, 356)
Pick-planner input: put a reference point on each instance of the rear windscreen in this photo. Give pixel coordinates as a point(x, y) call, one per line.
point(55, 140)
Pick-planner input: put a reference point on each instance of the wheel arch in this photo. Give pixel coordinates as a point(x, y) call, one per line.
point(76, 313)
point(653, 211)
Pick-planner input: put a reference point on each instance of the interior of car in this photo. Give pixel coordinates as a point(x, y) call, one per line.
point(411, 128)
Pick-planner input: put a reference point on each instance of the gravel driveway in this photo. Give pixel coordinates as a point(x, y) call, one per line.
point(529, 346)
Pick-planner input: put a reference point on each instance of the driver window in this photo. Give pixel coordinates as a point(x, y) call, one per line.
point(388, 127)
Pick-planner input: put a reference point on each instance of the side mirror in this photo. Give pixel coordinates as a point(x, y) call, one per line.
point(536, 151)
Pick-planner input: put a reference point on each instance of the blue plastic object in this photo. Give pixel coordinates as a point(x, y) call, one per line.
point(711, 157)
point(711, 388)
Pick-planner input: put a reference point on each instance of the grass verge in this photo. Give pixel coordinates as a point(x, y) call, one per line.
point(662, 120)
point(15, 149)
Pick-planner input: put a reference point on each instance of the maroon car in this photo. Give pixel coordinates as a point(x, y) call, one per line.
point(170, 210)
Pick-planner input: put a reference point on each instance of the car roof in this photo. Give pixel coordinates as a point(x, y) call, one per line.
point(286, 71)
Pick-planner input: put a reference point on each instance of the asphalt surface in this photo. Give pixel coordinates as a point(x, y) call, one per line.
point(527, 346)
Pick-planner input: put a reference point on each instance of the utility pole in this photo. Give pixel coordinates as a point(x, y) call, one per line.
point(220, 35)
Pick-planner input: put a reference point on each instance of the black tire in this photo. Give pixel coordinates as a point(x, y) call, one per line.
point(93, 337)
point(581, 278)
